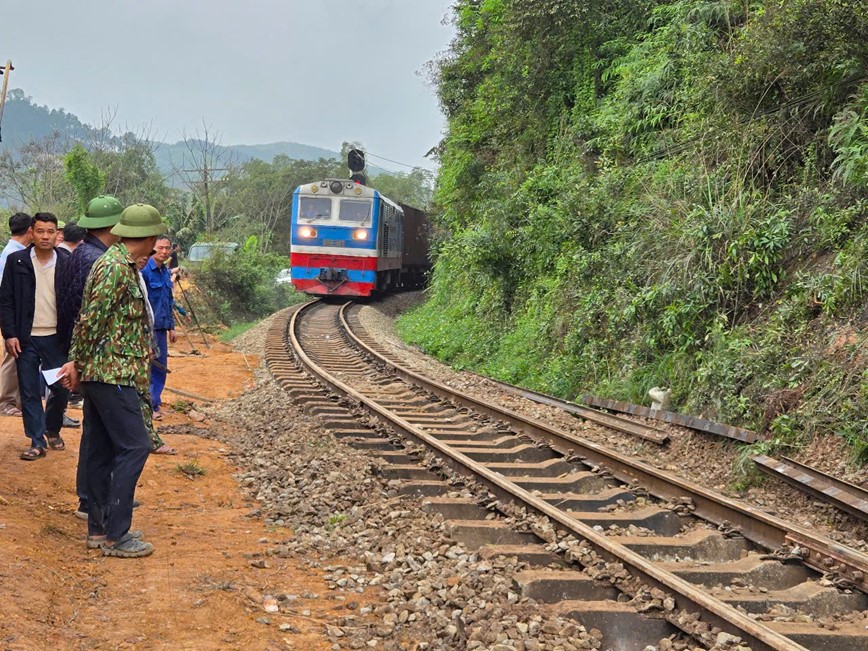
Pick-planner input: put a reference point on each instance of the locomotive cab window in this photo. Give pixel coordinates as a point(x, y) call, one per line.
point(353, 210)
point(311, 208)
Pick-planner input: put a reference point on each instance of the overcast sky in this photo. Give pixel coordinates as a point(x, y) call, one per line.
point(318, 72)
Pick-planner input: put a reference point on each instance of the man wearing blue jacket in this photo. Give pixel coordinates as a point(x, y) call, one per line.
point(158, 279)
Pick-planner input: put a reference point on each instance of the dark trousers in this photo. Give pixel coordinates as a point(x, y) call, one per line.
point(117, 449)
point(158, 375)
point(48, 353)
point(81, 472)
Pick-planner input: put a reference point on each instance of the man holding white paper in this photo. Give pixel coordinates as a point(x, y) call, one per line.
point(28, 319)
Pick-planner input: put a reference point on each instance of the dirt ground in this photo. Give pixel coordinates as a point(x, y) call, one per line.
point(205, 585)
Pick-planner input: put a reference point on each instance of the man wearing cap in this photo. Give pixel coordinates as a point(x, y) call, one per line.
point(110, 355)
point(101, 216)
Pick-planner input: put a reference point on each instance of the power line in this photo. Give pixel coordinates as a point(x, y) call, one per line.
point(367, 153)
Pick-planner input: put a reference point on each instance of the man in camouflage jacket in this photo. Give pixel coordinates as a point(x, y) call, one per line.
point(110, 355)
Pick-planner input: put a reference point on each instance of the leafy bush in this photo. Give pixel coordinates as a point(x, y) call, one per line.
point(241, 286)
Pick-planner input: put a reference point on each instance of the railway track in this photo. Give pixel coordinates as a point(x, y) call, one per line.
point(656, 554)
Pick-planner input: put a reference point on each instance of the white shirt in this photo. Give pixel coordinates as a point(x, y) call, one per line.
point(11, 247)
point(47, 265)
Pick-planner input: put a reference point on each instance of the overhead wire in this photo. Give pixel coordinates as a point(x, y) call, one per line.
point(368, 153)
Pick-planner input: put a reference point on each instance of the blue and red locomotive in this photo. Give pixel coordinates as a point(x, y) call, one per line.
point(349, 240)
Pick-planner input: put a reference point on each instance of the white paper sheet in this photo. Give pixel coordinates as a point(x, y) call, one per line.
point(51, 375)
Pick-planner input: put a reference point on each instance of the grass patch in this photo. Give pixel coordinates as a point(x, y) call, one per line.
point(237, 329)
point(191, 469)
point(182, 406)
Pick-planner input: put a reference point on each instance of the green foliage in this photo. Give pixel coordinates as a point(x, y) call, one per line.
point(236, 329)
point(659, 193)
point(849, 139)
point(241, 286)
point(83, 175)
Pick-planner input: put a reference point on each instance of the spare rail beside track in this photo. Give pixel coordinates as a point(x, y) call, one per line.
point(612, 421)
point(692, 422)
point(846, 496)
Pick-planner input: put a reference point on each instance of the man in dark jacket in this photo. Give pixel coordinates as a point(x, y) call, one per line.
point(102, 214)
point(29, 321)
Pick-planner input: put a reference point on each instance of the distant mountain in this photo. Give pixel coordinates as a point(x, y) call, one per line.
point(24, 120)
point(171, 156)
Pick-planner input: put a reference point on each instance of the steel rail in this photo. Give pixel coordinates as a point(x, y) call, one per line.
point(612, 421)
point(844, 495)
point(818, 552)
point(715, 612)
point(674, 418)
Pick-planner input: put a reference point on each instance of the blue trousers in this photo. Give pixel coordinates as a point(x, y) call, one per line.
point(118, 447)
point(48, 353)
point(158, 375)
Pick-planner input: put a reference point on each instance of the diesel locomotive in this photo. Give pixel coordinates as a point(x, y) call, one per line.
point(347, 239)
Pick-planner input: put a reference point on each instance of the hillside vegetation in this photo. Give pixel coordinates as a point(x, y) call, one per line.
point(660, 193)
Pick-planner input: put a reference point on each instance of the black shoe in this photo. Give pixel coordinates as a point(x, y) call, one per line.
point(68, 421)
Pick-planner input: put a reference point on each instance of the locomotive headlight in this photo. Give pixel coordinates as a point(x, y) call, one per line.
point(360, 234)
point(314, 189)
point(306, 232)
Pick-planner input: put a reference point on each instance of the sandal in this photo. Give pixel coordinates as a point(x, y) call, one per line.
point(164, 449)
point(128, 547)
point(55, 442)
point(96, 542)
point(32, 454)
point(10, 410)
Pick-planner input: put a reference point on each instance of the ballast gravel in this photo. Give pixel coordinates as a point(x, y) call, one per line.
point(329, 506)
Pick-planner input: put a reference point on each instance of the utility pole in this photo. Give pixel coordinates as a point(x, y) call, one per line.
point(4, 70)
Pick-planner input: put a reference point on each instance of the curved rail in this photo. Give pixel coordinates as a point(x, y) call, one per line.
point(687, 595)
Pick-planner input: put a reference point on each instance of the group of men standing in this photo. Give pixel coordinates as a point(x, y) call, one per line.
point(101, 315)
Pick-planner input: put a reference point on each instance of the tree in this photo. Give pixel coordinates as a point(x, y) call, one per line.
point(32, 175)
point(204, 163)
point(83, 175)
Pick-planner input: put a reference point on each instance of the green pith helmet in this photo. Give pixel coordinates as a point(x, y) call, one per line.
point(140, 220)
point(102, 211)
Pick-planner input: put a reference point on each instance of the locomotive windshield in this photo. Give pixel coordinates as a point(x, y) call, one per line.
point(354, 210)
point(311, 208)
